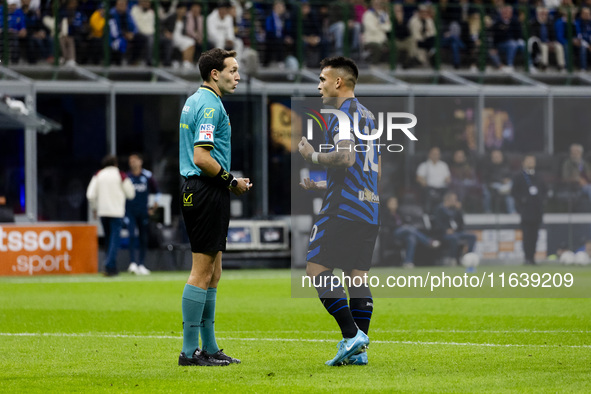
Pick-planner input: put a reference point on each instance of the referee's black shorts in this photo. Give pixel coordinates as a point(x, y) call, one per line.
point(206, 212)
point(342, 243)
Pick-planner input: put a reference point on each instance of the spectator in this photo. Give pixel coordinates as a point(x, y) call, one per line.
point(72, 31)
point(422, 29)
point(552, 5)
point(496, 181)
point(95, 37)
point(137, 212)
point(451, 18)
point(340, 13)
point(124, 34)
point(194, 27)
point(463, 176)
point(506, 38)
point(448, 227)
point(6, 211)
point(278, 36)
point(576, 171)
point(543, 39)
point(376, 26)
point(39, 44)
point(174, 32)
point(106, 193)
point(145, 20)
point(398, 229)
point(359, 8)
point(251, 20)
point(410, 8)
point(220, 30)
point(583, 39)
point(167, 8)
point(311, 35)
point(529, 191)
point(17, 29)
point(403, 39)
point(434, 176)
point(561, 27)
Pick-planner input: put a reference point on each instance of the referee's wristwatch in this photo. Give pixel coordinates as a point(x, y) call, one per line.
point(234, 182)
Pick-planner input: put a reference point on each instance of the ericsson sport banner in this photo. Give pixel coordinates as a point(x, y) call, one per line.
point(48, 249)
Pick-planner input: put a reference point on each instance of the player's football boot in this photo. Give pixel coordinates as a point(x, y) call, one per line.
point(358, 359)
point(348, 347)
point(220, 355)
point(199, 359)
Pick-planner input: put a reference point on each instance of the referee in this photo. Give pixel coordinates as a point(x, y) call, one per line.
point(204, 145)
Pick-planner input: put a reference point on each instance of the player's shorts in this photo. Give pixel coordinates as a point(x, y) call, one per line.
point(342, 243)
point(206, 212)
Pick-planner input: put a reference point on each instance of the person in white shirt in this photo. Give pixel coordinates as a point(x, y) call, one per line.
point(434, 176)
point(106, 194)
point(144, 17)
point(220, 30)
point(422, 28)
point(376, 26)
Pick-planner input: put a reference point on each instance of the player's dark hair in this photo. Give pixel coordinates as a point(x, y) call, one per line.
point(109, 160)
point(213, 60)
point(342, 63)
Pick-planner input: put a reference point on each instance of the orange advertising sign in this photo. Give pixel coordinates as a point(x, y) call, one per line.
point(48, 249)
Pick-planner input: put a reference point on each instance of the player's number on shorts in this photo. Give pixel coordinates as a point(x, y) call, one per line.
point(313, 233)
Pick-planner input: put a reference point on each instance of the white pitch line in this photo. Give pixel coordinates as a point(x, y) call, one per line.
point(422, 331)
point(97, 278)
point(421, 343)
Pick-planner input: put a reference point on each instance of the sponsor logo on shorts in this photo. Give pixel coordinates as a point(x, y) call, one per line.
point(188, 199)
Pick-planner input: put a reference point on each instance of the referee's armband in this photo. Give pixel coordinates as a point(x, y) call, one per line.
point(225, 179)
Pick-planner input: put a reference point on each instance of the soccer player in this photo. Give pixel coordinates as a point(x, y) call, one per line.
point(137, 212)
point(345, 232)
point(205, 136)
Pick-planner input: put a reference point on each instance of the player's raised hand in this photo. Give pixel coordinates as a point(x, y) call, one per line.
point(305, 149)
point(242, 187)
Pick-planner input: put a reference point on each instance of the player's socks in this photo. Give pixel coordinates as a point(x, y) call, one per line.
point(361, 305)
point(208, 342)
point(192, 306)
point(335, 302)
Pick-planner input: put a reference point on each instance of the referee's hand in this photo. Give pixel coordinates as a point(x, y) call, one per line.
point(243, 186)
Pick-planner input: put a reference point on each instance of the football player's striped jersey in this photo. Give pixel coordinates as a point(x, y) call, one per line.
point(352, 193)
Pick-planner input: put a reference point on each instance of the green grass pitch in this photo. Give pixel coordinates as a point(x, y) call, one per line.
point(92, 334)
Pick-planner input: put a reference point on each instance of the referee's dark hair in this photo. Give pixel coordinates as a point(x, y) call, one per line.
point(213, 60)
point(344, 64)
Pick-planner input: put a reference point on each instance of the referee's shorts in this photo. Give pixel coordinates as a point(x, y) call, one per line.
point(206, 212)
point(342, 243)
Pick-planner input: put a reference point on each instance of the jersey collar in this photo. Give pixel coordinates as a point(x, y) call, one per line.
point(345, 100)
point(210, 89)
